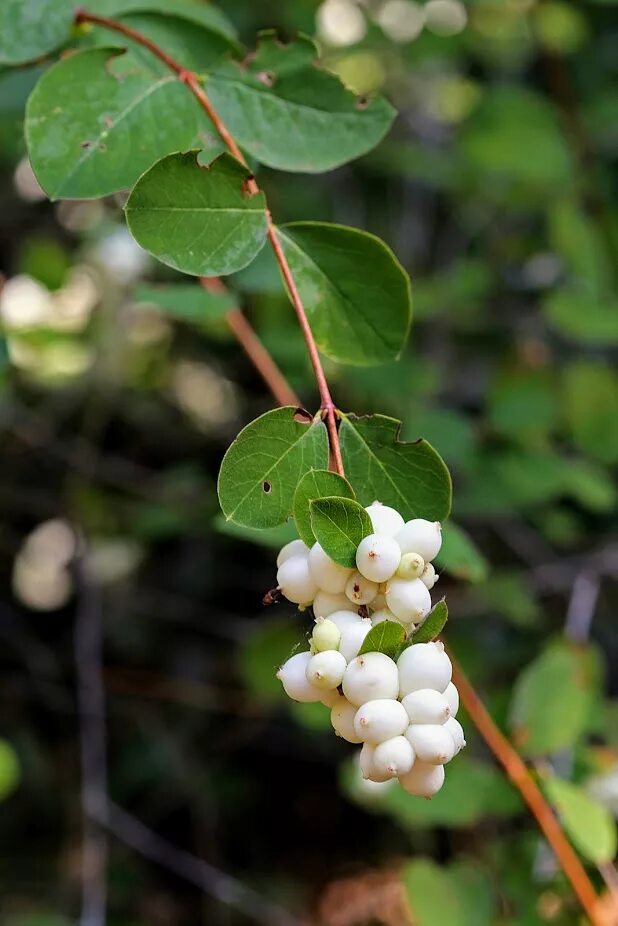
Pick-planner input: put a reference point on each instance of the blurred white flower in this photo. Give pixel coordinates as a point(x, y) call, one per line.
point(605, 789)
point(122, 256)
point(445, 17)
point(112, 560)
point(401, 20)
point(41, 579)
point(26, 184)
point(203, 394)
point(24, 303)
point(73, 304)
point(340, 22)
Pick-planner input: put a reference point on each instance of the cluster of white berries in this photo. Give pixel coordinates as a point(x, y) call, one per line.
point(402, 712)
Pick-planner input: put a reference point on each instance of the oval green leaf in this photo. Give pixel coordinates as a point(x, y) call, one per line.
point(263, 466)
point(318, 483)
point(460, 556)
point(386, 637)
point(186, 301)
point(290, 114)
point(198, 219)
point(433, 625)
point(85, 145)
point(339, 525)
point(32, 28)
point(356, 293)
point(201, 14)
point(411, 477)
point(589, 824)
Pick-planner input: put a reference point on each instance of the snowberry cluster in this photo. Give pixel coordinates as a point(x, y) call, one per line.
point(403, 712)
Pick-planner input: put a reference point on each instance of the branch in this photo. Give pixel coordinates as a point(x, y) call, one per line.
point(194, 84)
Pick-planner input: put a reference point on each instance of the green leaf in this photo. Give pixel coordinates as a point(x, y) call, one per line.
point(386, 637)
point(201, 14)
point(356, 293)
point(317, 483)
point(590, 391)
point(198, 219)
point(431, 895)
point(339, 525)
point(582, 315)
point(433, 625)
point(589, 824)
point(460, 556)
point(553, 698)
point(410, 477)
point(10, 772)
point(292, 115)
point(263, 466)
point(85, 145)
point(186, 301)
point(32, 28)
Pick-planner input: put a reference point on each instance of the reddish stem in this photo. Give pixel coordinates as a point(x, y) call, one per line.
point(192, 81)
point(254, 349)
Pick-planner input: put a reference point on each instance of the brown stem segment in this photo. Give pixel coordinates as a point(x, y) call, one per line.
point(192, 81)
point(519, 774)
point(254, 349)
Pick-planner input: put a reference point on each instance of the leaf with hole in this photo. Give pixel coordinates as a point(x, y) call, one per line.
point(387, 637)
point(263, 466)
point(411, 477)
point(356, 293)
point(590, 825)
point(198, 219)
point(32, 28)
point(318, 483)
point(89, 144)
point(290, 114)
point(186, 301)
point(339, 525)
point(433, 625)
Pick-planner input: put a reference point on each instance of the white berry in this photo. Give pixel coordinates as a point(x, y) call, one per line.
point(429, 576)
point(345, 618)
point(423, 665)
point(295, 580)
point(353, 637)
point(325, 670)
point(456, 730)
point(292, 676)
point(326, 635)
point(342, 718)
point(377, 557)
point(422, 537)
point(426, 706)
point(360, 590)
point(327, 574)
point(325, 604)
point(393, 757)
point(411, 566)
point(431, 742)
point(379, 602)
point(383, 615)
point(371, 676)
point(409, 600)
point(423, 780)
point(385, 520)
point(293, 548)
point(367, 767)
point(380, 720)
point(452, 696)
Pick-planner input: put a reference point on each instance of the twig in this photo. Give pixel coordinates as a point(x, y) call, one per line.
point(88, 636)
point(254, 349)
point(223, 887)
point(194, 84)
point(582, 605)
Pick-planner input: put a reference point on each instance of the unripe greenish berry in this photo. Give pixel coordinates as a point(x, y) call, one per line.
point(422, 537)
point(360, 590)
point(345, 618)
point(456, 730)
point(380, 720)
point(342, 719)
point(369, 677)
point(385, 520)
point(423, 780)
point(426, 706)
point(328, 575)
point(377, 557)
point(325, 604)
point(452, 696)
point(379, 602)
point(326, 635)
point(293, 677)
point(353, 637)
point(295, 580)
point(423, 665)
point(411, 566)
point(429, 576)
point(325, 670)
point(431, 742)
point(293, 548)
point(393, 757)
point(408, 599)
